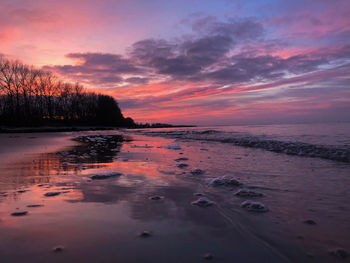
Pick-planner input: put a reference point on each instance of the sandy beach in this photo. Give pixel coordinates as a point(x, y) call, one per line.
point(131, 196)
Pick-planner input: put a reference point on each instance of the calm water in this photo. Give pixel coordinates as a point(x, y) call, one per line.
point(100, 220)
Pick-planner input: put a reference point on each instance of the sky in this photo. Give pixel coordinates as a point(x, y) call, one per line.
point(201, 62)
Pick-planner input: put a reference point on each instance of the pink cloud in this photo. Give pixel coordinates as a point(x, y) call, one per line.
point(315, 20)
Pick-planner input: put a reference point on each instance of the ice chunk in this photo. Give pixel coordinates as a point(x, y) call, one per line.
point(181, 159)
point(224, 180)
point(202, 202)
point(105, 176)
point(20, 213)
point(173, 147)
point(197, 171)
point(49, 194)
point(57, 249)
point(156, 197)
point(182, 165)
point(254, 206)
point(145, 233)
point(310, 222)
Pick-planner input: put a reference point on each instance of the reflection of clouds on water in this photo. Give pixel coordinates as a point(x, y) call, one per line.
point(176, 203)
point(54, 169)
point(104, 192)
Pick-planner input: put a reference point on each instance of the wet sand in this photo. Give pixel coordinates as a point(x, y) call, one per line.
point(140, 206)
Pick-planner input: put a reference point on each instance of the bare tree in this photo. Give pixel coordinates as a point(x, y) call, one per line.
point(35, 97)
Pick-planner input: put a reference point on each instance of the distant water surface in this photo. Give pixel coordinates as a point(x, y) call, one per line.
point(337, 134)
point(326, 140)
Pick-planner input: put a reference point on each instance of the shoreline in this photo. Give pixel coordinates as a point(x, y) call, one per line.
point(40, 129)
point(5, 130)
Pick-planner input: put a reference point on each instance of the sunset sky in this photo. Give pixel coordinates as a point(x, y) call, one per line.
point(200, 62)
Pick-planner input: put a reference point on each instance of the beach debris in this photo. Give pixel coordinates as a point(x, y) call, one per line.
point(35, 205)
point(197, 171)
point(49, 194)
point(64, 163)
point(202, 202)
point(204, 149)
point(105, 176)
point(145, 233)
point(156, 197)
point(125, 160)
point(340, 253)
point(247, 193)
point(208, 256)
point(224, 180)
point(58, 248)
point(173, 147)
point(182, 165)
point(310, 222)
point(254, 206)
point(181, 159)
point(20, 213)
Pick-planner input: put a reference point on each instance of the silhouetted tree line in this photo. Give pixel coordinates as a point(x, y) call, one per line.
point(32, 97)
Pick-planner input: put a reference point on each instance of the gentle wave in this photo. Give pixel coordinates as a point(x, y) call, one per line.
point(336, 153)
